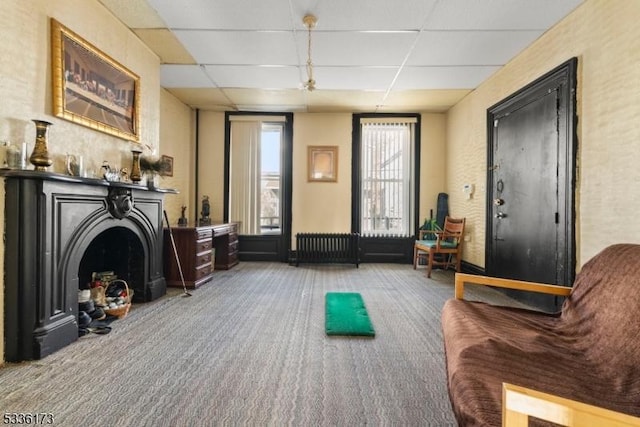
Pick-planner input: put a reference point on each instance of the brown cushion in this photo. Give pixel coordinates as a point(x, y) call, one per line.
point(604, 310)
point(589, 353)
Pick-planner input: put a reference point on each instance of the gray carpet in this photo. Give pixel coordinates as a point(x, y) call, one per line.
point(249, 348)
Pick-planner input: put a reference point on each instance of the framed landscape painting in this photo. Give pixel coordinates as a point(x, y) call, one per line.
point(92, 89)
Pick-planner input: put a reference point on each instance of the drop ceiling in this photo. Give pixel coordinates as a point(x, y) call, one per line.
point(367, 55)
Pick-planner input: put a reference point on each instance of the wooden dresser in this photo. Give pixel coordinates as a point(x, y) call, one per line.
point(195, 248)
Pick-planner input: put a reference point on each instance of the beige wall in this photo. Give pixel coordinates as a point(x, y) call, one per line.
point(177, 141)
point(433, 134)
point(322, 207)
point(26, 79)
point(605, 37)
point(211, 163)
point(326, 206)
point(25, 94)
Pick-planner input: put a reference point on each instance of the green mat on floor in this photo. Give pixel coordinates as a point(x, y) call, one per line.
point(345, 314)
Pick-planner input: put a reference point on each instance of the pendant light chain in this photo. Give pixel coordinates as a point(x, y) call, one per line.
point(310, 22)
point(309, 63)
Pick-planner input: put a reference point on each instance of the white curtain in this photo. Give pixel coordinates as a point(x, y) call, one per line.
point(244, 176)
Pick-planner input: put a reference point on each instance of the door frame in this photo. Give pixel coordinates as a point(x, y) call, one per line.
point(563, 79)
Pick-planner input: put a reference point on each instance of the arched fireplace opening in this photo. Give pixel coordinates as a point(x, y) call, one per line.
point(116, 249)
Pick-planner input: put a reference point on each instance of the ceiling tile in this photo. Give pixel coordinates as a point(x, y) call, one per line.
point(246, 76)
point(365, 14)
point(165, 44)
point(499, 14)
point(423, 100)
point(184, 76)
point(357, 48)
point(354, 78)
point(134, 14)
point(225, 14)
point(469, 47)
point(203, 98)
point(240, 47)
point(343, 100)
point(442, 77)
point(285, 99)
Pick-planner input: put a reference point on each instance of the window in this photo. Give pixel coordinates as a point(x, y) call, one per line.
point(270, 178)
point(386, 156)
point(255, 175)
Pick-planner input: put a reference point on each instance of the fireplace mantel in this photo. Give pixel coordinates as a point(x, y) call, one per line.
point(50, 220)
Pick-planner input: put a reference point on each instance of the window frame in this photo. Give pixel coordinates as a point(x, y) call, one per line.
point(265, 247)
point(356, 172)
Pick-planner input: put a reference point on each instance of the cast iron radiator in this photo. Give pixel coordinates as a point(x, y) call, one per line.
point(328, 248)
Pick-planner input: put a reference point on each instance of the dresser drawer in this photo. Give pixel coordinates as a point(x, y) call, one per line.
point(204, 234)
point(233, 258)
point(204, 246)
point(203, 258)
point(202, 271)
point(233, 246)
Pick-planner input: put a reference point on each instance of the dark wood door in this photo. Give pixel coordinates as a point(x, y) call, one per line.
point(530, 187)
point(525, 186)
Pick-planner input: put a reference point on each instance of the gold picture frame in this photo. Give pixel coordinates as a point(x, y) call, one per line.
point(92, 89)
point(169, 162)
point(322, 163)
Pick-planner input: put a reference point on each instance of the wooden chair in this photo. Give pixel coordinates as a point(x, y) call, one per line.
point(421, 257)
point(448, 243)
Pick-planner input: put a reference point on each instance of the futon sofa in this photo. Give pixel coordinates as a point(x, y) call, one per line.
point(589, 352)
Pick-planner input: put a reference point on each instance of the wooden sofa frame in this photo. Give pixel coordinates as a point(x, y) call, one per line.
point(520, 403)
point(496, 282)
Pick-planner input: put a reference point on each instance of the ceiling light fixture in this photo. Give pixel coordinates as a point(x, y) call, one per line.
point(310, 22)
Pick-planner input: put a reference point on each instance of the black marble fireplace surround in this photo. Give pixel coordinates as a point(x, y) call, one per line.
point(59, 229)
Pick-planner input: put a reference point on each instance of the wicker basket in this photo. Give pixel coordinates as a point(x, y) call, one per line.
point(121, 311)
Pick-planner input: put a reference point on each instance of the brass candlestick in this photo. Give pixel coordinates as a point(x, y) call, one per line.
point(40, 155)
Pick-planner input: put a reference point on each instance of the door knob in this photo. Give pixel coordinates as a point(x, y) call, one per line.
point(500, 215)
point(498, 202)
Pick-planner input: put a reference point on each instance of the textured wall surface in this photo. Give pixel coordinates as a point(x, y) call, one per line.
point(176, 124)
point(25, 88)
point(26, 79)
point(432, 163)
point(605, 37)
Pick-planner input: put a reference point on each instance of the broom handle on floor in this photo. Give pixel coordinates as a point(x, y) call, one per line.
point(175, 250)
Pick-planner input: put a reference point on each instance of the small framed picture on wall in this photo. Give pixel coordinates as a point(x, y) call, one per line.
point(168, 161)
point(322, 163)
